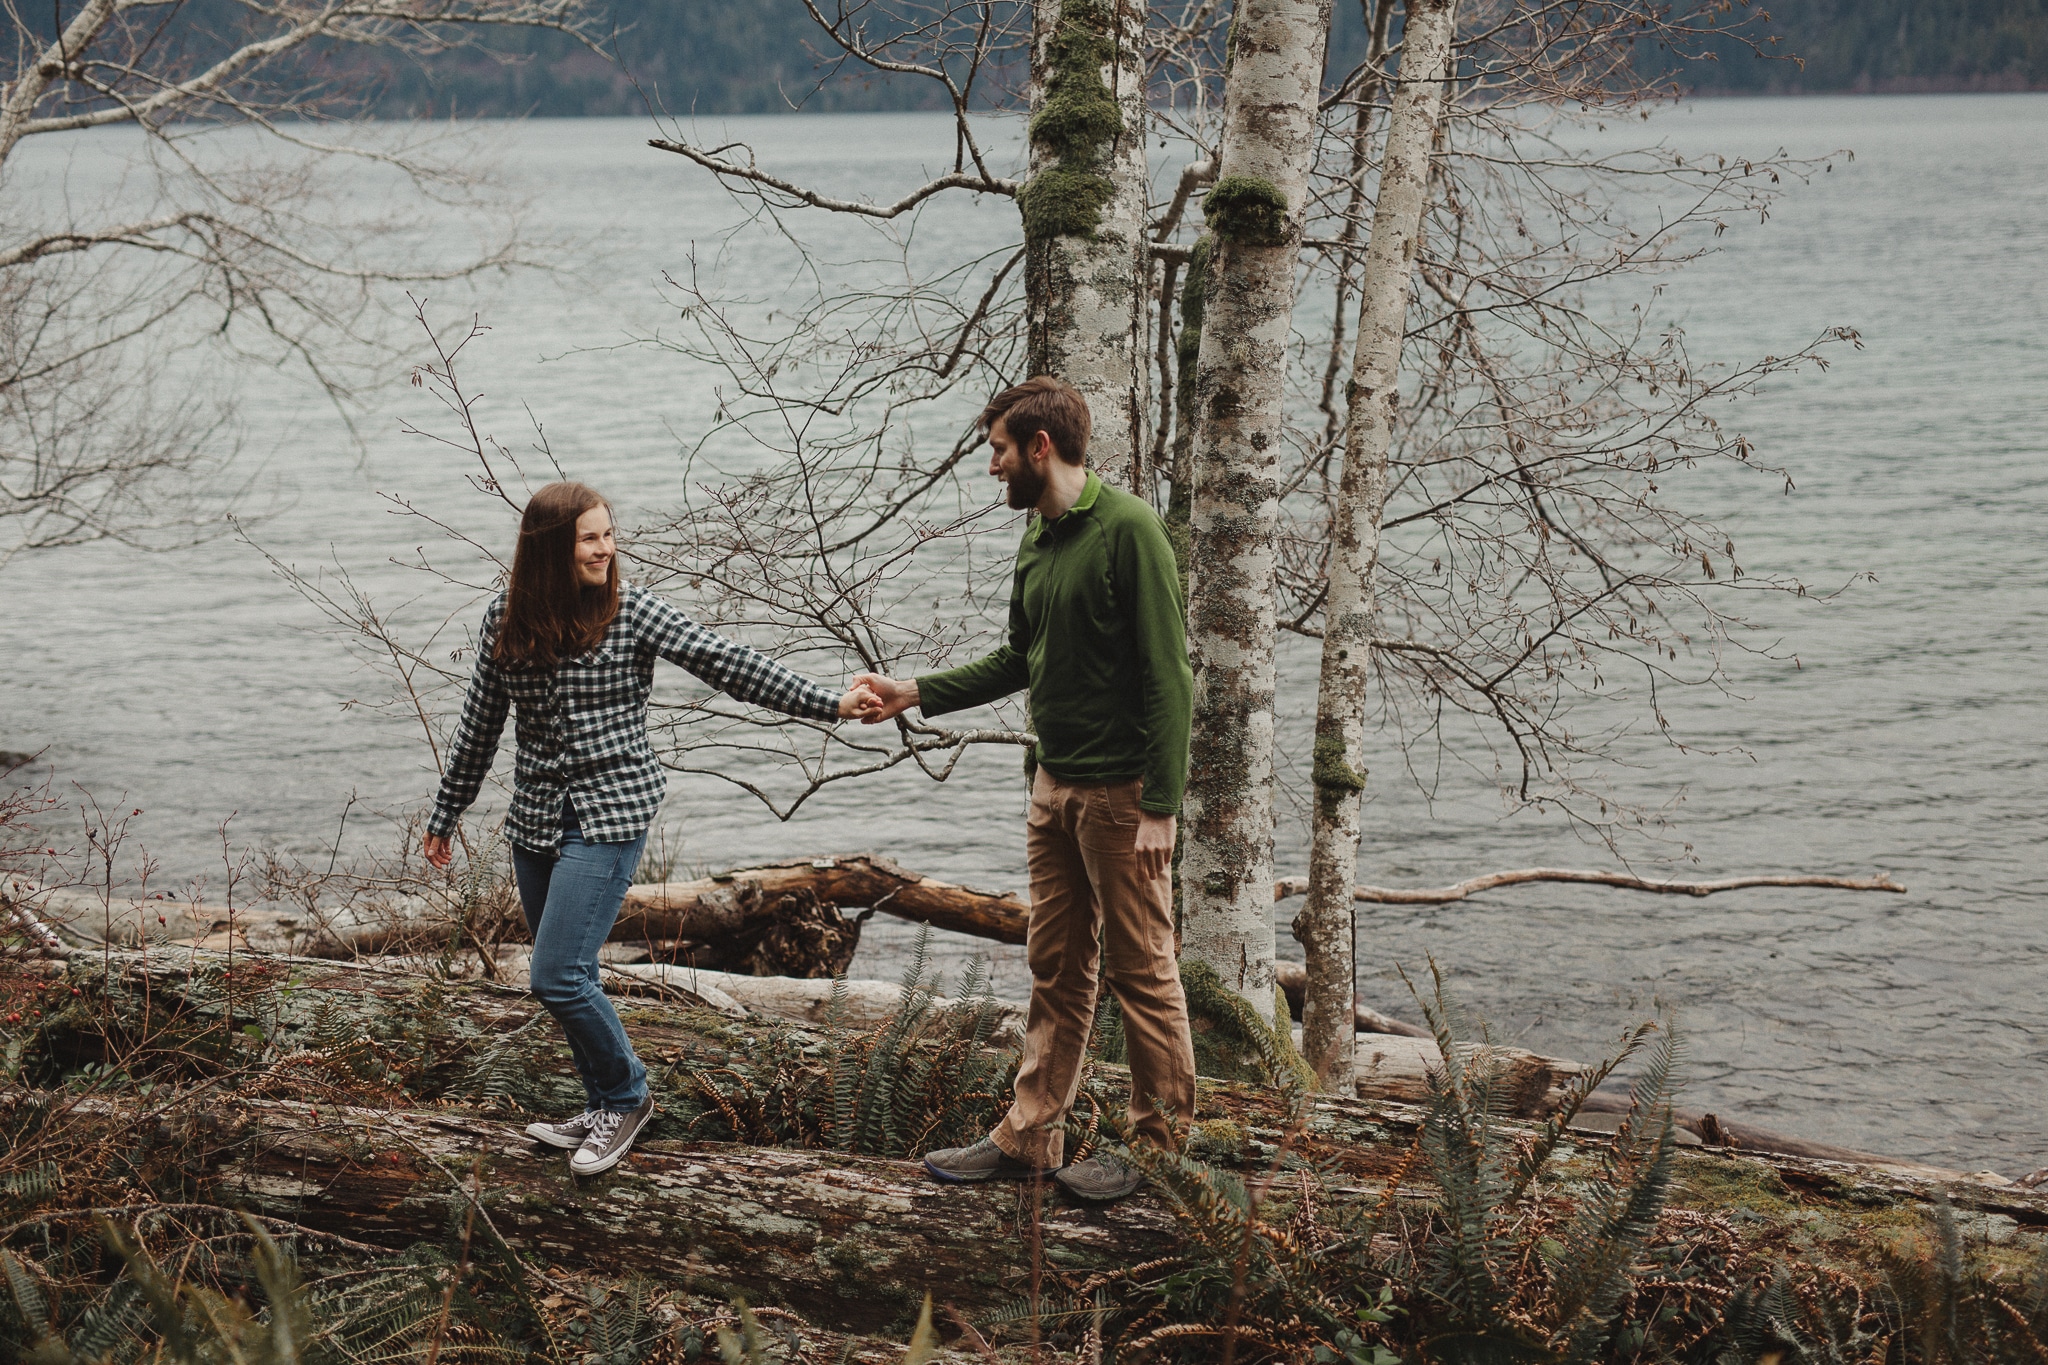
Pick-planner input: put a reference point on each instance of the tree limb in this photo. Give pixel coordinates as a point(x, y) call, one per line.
point(1472, 886)
point(957, 181)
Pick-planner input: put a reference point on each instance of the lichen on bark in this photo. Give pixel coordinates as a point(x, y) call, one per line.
point(1078, 119)
point(1247, 209)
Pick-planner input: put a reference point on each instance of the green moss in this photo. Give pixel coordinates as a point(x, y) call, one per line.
point(1330, 771)
point(848, 1258)
point(1077, 120)
point(1247, 210)
point(1231, 1042)
point(1058, 202)
point(1718, 1183)
point(1194, 291)
point(1218, 1141)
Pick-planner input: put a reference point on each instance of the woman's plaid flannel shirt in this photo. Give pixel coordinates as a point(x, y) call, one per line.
point(582, 727)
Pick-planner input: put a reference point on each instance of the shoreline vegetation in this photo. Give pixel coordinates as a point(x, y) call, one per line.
point(776, 940)
point(241, 1136)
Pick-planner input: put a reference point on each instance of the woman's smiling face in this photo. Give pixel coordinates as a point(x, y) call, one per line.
point(594, 547)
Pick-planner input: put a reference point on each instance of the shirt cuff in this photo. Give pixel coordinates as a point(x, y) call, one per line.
point(443, 821)
point(826, 701)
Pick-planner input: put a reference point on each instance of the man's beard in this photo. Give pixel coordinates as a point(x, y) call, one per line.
point(1027, 486)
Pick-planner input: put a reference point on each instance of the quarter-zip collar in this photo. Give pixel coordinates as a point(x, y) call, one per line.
point(1084, 503)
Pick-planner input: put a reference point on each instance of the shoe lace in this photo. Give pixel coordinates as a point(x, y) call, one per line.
point(1113, 1164)
point(603, 1124)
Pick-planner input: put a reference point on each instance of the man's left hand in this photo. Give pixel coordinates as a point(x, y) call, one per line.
point(1155, 842)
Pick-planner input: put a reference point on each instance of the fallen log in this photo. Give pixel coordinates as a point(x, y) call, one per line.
point(1625, 881)
point(1292, 978)
point(859, 1004)
point(683, 1021)
point(687, 920)
point(677, 916)
point(674, 910)
point(844, 1240)
point(854, 1242)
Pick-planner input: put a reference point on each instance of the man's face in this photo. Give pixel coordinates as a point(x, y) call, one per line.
point(1024, 478)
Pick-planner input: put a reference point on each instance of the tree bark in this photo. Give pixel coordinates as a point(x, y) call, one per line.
point(1085, 290)
point(1255, 212)
point(1339, 768)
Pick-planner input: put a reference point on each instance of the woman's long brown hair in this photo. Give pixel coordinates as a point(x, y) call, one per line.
point(549, 614)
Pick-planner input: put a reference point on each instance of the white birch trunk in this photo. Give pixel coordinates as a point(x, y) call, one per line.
point(1256, 213)
point(1085, 293)
point(1324, 925)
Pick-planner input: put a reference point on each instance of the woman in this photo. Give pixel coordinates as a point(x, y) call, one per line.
point(575, 652)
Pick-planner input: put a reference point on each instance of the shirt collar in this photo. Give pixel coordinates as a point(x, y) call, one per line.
point(1084, 503)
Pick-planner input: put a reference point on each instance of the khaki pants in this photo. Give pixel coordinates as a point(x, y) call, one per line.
point(1085, 887)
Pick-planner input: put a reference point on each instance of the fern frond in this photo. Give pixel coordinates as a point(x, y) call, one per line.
point(27, 1293)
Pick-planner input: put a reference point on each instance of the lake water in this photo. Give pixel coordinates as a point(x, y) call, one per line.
point(1908, 738)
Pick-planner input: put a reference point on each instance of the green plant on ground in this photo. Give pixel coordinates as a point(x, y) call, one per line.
point(1936, 1301)
point(1481, 1292)
point(1500, 1255)
point(925, 1077)
point(1231, 1042)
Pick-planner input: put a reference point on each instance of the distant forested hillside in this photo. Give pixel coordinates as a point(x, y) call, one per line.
point(675, 56)
point(764, 56)
point(714, 56)
point(1885, 46)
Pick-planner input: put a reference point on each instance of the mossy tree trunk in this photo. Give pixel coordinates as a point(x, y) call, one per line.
point(1084, 221)
point(1255, 213)
point(1339, 772)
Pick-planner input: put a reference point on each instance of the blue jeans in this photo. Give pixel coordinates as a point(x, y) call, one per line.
point(570, 903)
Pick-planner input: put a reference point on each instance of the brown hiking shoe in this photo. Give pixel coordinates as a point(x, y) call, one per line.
point(983, 1161)
point(1103, 1176)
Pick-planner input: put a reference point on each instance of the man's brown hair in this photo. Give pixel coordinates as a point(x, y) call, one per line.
point(1045, 404)
point(549, 615)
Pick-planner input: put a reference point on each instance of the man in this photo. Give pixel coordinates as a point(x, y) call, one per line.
point(1096, 635)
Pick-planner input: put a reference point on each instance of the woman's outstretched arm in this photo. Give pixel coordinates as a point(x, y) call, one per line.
point(741, 671)
point(476, 742)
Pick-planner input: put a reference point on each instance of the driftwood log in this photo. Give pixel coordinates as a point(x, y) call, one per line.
point(737, 904)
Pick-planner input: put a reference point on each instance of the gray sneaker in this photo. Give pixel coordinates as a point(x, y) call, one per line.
point(1103, 1176)
point(611, 1137)
point(983, 1161)
point(567, 1134)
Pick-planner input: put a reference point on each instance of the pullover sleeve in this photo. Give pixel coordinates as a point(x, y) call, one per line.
point(731, 667)
point(476, 732)
point(1148, 591)
point(992, 677)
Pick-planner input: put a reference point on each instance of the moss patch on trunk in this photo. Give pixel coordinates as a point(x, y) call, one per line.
point(1247, 210)
point(1076, 123)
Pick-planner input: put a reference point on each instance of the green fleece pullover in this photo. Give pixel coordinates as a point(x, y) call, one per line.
point(1096, 633)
